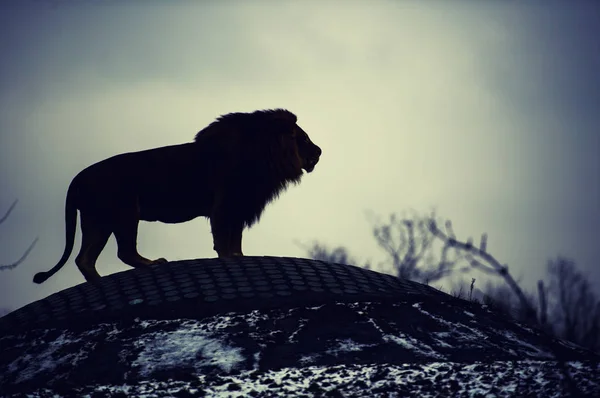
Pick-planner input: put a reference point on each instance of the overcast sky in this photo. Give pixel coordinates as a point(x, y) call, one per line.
point(487, 111)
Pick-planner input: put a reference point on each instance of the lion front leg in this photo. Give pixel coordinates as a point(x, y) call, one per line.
point(227, 237)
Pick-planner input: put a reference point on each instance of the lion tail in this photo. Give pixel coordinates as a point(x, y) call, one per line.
point(71, 225)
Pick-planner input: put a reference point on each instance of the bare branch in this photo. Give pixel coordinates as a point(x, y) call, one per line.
point(23, 257)
point(474, 252)
point(483, 244)
point(4, 267)
point(10, 209)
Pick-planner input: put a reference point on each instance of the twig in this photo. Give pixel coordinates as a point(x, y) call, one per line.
point(10, 209)
point(23, 257)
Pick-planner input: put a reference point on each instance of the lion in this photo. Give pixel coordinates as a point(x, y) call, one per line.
point(234, 167)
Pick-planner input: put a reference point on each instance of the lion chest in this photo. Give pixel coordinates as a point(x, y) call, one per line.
point(174, 206)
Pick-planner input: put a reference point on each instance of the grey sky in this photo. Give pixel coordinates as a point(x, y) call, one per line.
point(487, 111)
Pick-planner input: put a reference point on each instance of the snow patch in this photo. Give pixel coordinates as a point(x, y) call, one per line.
point(185, 348)
point(28, 367)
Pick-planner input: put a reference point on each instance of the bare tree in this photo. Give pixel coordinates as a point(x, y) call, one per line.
point(410, 246)
point(480, 259)
point(575, 309)
point(567, 309)
point(29, 249)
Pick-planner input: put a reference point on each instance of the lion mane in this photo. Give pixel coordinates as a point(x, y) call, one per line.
point(232, 170)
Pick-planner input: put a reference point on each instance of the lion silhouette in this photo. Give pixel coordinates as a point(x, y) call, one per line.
point(232, 170)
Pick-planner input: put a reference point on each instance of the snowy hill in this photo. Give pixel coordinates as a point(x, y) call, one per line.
point(266, 326)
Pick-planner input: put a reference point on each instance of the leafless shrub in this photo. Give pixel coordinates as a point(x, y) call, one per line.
point(337, 255)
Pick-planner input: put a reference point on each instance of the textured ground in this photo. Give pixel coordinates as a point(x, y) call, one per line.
point(435, 379)
point(409, 341)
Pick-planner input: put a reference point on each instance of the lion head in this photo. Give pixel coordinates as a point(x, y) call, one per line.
point(271, 136)
point(308, 152)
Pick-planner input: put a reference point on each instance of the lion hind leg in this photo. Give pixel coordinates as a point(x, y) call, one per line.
point(126, 234)
point(94, 236)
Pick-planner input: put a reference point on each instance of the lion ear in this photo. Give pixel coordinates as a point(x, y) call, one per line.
point(285, 115)
point(283, 122)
